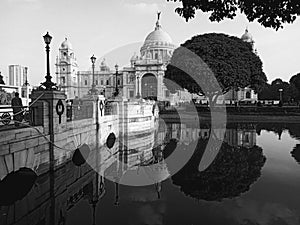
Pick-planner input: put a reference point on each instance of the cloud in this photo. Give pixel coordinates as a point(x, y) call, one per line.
point(142, 7)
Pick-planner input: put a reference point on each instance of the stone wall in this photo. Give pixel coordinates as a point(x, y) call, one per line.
point(52, 196)
point(38, 146)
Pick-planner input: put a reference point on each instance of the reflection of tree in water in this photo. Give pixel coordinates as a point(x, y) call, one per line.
point(296, 153)
point(294, 130)
point(277, 128)
point(230, 174)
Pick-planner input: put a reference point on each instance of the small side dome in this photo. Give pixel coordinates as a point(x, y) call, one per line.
point(247, 37)
point(134, 57)
point(103, 66)
point(66, 44)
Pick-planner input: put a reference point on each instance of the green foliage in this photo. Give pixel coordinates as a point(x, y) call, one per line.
point(268, 13)
point(227, 59)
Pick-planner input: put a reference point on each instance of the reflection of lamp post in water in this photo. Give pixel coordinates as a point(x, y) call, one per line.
point(116, 203)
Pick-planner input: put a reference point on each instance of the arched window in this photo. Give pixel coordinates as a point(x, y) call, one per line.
point(248, 94)
point(107, 82)
point(85, 82)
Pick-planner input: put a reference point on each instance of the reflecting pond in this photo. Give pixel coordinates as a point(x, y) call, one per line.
point(253, 178)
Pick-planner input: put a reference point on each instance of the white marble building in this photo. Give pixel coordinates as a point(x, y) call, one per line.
point(143, 78)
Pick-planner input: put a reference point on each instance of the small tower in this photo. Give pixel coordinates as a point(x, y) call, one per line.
point(247, 37)
point(66, 70)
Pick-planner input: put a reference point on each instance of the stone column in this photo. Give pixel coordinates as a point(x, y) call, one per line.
point(160, 77)
point(138, 85)
point(49, 110)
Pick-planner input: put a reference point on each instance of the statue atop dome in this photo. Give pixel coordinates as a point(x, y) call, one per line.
point(158, 15)
point(158, 22)
point(158, 44)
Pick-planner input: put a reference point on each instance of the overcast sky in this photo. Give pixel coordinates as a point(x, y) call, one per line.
point(101, 26)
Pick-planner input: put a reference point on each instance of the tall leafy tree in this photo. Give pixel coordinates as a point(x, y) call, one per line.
point(295, 81)
point(268, 13)
point(224, 63)
point(271, 92)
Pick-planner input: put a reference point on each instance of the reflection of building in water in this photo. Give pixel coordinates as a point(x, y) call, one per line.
point(239, 135)
point(54, 195)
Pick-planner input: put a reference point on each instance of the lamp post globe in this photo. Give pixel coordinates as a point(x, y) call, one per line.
point(47, 38)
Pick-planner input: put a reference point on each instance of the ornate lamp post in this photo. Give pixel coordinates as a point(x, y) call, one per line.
point(280, 94)
point(48, 84)
point(93, 91)
point(117, 73)
point(138, 87)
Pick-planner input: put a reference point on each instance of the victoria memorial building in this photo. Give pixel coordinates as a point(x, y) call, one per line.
point(143, 78)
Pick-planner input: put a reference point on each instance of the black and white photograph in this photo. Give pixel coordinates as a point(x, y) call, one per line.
point(149, 112)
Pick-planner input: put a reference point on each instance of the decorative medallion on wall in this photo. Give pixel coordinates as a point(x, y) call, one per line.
point(60, 108)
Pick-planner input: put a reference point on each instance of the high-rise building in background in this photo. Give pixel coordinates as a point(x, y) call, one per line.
point(17, 75)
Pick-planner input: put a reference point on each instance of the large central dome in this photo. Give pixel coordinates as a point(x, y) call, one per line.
point(158, 35)
point(158, 44)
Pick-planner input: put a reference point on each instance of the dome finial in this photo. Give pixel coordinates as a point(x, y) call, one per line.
point(158, 22)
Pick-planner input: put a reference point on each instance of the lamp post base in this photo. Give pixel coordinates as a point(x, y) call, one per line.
point(48, 85)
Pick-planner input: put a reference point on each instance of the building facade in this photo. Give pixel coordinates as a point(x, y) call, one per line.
point(17, 75)
point(143, 78)
point(66, 70)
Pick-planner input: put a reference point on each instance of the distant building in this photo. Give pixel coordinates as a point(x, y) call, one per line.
point(17, 75)
point(66, 70)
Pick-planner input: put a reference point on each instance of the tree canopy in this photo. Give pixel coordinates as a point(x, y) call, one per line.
point(271, 91)
point(268, 13)
point(295, 81)
point(227, 59)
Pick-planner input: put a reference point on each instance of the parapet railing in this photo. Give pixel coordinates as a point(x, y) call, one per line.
point(19, 119)
point(110, 108)
point(80, 110)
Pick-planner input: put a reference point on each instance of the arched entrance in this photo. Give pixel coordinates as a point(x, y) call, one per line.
point(149, 86)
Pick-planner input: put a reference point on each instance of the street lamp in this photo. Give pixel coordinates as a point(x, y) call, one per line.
point(280, 94)
point(117, 89)
point(48, 84)
point(138, 87)
point(93, 91)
